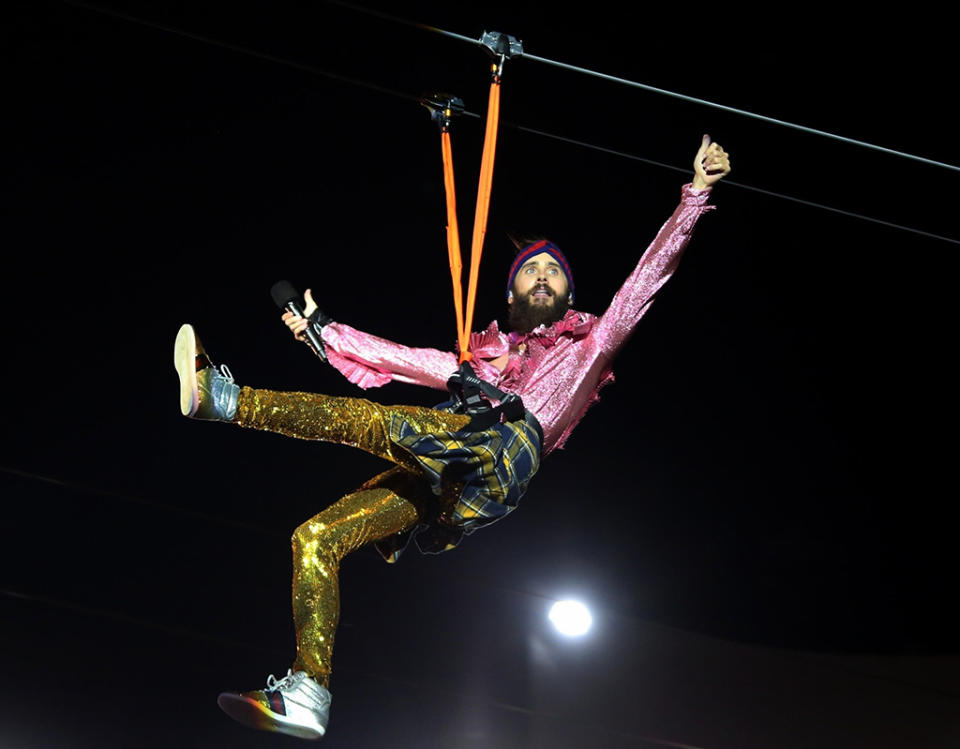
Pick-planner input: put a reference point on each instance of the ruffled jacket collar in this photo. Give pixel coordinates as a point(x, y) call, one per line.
point(574, 324)
point(492, 343)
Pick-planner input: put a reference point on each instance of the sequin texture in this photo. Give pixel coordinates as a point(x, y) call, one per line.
point(393, 502)
point(557, 370)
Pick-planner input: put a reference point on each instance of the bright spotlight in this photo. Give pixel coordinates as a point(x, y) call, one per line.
point(570, 617)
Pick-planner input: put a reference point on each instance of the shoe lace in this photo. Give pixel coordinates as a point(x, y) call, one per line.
point(273, 684)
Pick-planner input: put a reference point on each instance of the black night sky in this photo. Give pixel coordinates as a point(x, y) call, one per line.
point(758, 510)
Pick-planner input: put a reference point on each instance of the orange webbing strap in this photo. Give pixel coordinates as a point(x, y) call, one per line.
point(483, 210)
point(465, 323)
point(453, 240)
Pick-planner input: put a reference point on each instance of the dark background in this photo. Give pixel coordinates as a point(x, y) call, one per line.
point(773, 467)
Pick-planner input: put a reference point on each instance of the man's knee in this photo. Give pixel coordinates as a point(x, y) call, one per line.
point(312, 538)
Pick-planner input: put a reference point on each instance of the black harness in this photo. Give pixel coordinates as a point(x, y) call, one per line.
point(472, 396)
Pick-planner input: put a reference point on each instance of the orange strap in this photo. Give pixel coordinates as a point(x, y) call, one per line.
point(465, 323)
point(453, 239)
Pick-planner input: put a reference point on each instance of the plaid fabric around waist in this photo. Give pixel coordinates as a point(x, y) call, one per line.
point(493, 467)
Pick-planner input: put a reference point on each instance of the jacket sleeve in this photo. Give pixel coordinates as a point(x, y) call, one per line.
point(369, 361)
point(654, 269)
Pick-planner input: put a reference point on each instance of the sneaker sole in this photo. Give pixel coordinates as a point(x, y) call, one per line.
point(254, 715)
point(185, 361)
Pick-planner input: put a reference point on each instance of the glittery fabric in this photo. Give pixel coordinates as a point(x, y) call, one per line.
point(389, 504)
point(345, 421)
point(556, 370)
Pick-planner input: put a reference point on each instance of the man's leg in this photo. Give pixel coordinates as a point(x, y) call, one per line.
point(211, 394)
point(299, 703)
point(391, 503)
point(346, 421)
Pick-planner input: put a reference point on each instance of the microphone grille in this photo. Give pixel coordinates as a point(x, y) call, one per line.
point(283, 292)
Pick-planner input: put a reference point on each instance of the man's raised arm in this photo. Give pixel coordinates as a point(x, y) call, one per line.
point(663, 255)
point(370, 361)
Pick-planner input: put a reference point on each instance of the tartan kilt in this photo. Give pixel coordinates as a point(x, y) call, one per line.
point(491, 469)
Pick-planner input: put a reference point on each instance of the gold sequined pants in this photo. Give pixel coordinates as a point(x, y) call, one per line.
point(390, 503)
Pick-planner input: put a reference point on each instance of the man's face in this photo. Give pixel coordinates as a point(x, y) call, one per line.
point(540, 294)
point(541, 282)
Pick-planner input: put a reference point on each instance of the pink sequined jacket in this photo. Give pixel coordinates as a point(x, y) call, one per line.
point(556, 370)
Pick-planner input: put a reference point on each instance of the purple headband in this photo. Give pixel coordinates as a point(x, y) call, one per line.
point(535, 249)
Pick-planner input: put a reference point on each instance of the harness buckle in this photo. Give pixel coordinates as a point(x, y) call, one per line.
point(472, 397)
point(465, 387)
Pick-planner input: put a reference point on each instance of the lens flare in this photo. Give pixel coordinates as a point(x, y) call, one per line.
point(570, 618)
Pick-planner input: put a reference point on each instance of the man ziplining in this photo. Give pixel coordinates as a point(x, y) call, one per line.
point(453, 473)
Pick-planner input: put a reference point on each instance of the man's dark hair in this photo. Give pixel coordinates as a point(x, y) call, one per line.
point(523, 239)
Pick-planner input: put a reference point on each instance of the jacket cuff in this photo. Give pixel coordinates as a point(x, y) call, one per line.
point(690, 196)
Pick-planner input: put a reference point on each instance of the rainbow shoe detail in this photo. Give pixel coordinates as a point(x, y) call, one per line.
point(295, 705)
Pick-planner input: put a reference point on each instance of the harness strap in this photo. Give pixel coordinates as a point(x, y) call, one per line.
point(483, 207)
point(465, 321)
point(469, 391)
point(453, 243)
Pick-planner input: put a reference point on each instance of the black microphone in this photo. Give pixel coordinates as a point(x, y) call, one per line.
point(287, 298)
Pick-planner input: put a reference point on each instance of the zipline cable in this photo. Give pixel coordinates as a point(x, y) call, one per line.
point(654, 89)
point(241, 50)
point(407, 97)
point(729, 182)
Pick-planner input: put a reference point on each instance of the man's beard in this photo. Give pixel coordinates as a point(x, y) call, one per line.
point(524, 316)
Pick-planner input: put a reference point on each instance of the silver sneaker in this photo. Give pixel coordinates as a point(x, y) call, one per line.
point(295, 705)
point(205, 392)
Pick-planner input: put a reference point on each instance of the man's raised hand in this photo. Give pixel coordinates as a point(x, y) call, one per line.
point(710, 165)
point(297, 324)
